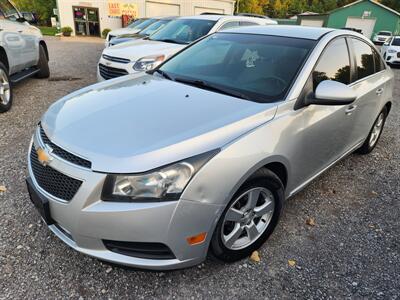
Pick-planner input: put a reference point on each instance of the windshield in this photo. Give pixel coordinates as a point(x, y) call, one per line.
point(386, 33)
point(259, 68)
point(183, 31)
point(396, 42)
point(8, 11)
point(144, 24)
point(136, 23)
point(154, 27)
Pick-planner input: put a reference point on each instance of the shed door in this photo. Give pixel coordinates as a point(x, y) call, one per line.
point(199, 10)
point(156, 9)
point(312, 23)
point(366, 25)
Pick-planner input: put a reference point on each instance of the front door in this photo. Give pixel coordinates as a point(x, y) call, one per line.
point(327, 129)
point(86, 21)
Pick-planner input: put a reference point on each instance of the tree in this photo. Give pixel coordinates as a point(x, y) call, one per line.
point(44, 8)
point(252, 6)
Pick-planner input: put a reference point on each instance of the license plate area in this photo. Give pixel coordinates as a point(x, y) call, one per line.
point(40, 202)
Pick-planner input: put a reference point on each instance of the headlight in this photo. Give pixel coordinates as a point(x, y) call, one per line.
point(392, 51)
point(148, 63)
point(164, 184)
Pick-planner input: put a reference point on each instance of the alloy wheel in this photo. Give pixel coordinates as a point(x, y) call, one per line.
point(376, 130)
point(5, 93)
point(247, 218)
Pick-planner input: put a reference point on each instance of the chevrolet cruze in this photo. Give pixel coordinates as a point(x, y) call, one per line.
point(158, 170)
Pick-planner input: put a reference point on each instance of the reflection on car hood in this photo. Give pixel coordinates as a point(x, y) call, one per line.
point(137, 49)
point(126, 30)
point(140, 122)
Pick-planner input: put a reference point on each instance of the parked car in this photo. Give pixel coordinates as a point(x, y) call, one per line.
point(382, 37)
point(23, 52)
point(142, 34)
point(199, 155)
point(141, 55)
point(135, 27)
point(391, 51)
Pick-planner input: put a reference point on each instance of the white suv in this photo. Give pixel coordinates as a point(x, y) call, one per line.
point(146, 54)
point(23, 53)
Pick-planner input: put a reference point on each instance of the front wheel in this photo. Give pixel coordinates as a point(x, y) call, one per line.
point(374, 134)
point(6, 95)
point(249, 218)
point(43, 64)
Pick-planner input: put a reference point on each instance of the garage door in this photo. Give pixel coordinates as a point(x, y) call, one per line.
point(156, 9)
point(366, 25)
point(312, 23)
point(201, 10)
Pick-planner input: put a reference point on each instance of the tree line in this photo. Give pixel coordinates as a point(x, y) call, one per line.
point(272, 8)
point(287, 8)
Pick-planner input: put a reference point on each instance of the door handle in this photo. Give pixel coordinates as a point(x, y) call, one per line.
point(20, 31)
point(351, 109)
point(379, 91)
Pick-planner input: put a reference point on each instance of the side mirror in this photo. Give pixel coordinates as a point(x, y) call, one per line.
point(331, 92)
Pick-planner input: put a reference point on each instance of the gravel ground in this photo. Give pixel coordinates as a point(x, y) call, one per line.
point(352, 251)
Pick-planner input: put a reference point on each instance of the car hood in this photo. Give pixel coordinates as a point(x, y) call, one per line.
point(121, 31)
point(140, 122)
point(137, 49)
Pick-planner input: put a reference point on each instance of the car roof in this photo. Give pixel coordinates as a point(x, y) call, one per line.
point(312, 33)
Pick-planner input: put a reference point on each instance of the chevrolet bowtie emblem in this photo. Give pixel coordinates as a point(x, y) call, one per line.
point(43, 157)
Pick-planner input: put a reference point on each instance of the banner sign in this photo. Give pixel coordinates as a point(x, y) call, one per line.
point(114, 8)
point(118, 9)
point(129, 9)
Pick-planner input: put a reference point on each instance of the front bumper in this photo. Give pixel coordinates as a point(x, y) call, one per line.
point(86, 221)
point(392, 58)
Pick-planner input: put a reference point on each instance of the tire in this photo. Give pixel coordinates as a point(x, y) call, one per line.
point(6, 92)
point(263, 180)
point(43, 64)
point(371, 142)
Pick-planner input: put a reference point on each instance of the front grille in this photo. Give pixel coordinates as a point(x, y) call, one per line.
point(116, 59)
point(109, 72)
point(62, 153)
point(52, 181)
point(140, 250)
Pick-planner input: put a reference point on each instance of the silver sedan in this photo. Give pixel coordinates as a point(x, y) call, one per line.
point(158, 170)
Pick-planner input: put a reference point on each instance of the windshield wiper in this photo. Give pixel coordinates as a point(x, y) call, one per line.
point(172, 41)
point(207, 86)
point(162, 73)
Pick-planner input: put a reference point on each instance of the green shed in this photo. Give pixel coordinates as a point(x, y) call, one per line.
point(367, 15)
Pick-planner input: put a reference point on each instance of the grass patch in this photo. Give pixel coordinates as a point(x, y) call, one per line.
point(48, 30)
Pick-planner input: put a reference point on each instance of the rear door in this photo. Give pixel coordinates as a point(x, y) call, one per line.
point(369, 84)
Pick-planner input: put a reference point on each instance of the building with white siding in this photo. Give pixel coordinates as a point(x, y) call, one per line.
point(91, 17)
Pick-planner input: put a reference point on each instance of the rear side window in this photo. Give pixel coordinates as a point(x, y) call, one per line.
point(229, 25)
point(334, 64)
point(379, 65)
point(245, 23)
point(364, 59)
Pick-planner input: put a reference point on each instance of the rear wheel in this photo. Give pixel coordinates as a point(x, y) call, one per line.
point(43, 64)
point(250, 217)
point(374, 134)
point(6, 95)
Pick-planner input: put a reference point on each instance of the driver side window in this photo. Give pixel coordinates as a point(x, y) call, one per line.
point(334, 64)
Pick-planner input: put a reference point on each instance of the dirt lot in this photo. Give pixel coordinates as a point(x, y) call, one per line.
point(352, 251)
